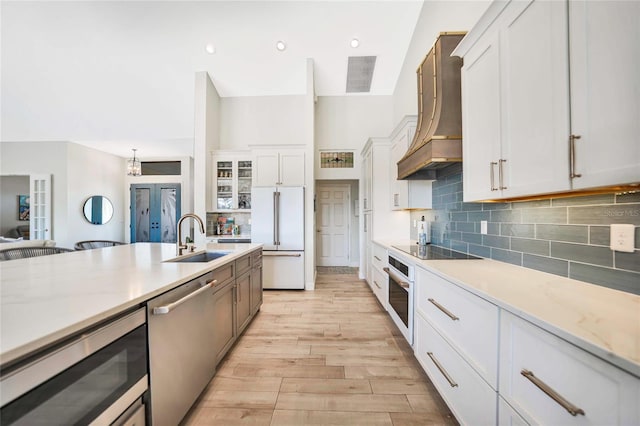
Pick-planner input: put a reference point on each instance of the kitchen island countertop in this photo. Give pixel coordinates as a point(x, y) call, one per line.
point(45, 299)
point(600, 320)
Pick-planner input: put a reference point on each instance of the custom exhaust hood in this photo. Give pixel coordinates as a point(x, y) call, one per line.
point(438, 139)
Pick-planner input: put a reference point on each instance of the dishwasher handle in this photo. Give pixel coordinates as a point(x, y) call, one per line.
point(162, 310)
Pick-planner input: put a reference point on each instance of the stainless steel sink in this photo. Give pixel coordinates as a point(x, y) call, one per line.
point(206, 256)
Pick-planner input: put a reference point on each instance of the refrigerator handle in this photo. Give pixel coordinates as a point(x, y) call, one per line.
point(277, 218)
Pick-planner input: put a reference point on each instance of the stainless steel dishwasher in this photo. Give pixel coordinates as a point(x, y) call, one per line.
point(181, 348)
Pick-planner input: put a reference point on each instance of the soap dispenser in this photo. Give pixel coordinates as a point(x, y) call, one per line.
point(422, 233)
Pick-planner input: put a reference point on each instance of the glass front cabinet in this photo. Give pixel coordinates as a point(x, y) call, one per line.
point(232, 182)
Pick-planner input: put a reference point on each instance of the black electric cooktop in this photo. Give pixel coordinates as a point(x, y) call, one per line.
point(430, 252)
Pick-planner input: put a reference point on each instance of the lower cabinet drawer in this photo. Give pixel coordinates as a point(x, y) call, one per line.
point(469, 397)
point(379, 286)
point(380, 257)
point(550, 381)
point(469, 322)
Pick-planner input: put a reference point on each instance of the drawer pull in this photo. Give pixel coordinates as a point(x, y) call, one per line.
point(445, 310)
point(572, 409)
point(442, 370)
point(377, 258)
point(377, 285)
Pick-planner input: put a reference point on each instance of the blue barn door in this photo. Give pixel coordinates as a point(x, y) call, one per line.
point(155, 209)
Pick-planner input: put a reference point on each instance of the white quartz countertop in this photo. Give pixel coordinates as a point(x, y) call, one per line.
point(600, 320)
point(45, 299)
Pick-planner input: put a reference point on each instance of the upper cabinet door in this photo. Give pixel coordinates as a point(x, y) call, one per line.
point(605, 91)
point(535, 98)
point(481, 135)
point(265, 165)
point(278, 167)
point(292, 168)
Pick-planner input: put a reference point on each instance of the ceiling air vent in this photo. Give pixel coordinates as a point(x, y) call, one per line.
point(360, 73)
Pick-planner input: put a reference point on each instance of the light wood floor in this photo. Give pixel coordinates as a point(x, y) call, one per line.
point(326, 357)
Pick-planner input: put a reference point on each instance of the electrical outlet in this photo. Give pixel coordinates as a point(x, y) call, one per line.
point(622, 238)
point(415, 223)
point(483, 227)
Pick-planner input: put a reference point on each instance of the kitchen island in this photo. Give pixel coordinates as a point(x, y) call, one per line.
point(101, 327)
point(45, 299)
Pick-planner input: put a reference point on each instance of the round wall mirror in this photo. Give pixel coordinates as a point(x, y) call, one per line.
point(98, 210)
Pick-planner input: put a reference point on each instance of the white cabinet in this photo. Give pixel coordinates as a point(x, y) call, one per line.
point(367, 247)
point(232, 181)
point(406, 194)
point(517, 103)
point(605, 95)
point(367, 178)
point(507, 416)
point(549, 381)
point(468, 322)
point(470, 398)
point(379, 279)
point(278, 166)
point(456, 342)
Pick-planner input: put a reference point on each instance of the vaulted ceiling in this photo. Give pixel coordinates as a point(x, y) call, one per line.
point(119, 72)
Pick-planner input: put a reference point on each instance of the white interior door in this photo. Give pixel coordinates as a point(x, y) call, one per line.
point(333, 217)
point(40, 207)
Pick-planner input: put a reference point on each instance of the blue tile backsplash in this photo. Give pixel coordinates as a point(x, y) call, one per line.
point(562, 236)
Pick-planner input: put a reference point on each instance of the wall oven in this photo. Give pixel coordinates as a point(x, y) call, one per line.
point(401, 281)
point(96, 377)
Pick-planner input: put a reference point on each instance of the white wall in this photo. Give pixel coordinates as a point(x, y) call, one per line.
point(10, 188)
point(25, 158)
point(345, 123)
point(262, 120)
point(436, 16)
point(77, 172)
point(92, 172)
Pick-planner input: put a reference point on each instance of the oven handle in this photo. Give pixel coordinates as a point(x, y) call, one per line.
point(401, 283)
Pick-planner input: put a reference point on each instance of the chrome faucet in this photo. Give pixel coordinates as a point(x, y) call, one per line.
point(179, 245)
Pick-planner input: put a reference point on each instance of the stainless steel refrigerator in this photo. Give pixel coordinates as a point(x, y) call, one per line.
point(277, 221)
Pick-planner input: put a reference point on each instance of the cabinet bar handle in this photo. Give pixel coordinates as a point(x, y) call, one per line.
point(377, 285)
point(445, 310)
point(161, 310)
point(492, 173)
point(442, 370)
point(501, 173)
point(572, 409)
point(572, 157)
point(377, 258)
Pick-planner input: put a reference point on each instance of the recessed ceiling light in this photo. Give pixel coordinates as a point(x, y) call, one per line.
point(281, 46)
point(210, 49)
point(355, 43)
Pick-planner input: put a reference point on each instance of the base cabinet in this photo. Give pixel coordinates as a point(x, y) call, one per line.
point(507, 416)
point(469, 397)
point(549, 381)
point(243, 301)
point(224, 320)
point(256, 282)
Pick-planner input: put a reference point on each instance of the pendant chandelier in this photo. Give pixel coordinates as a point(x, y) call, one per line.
point(134, 168)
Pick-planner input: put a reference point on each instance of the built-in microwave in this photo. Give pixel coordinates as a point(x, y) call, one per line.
point(97, 377)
